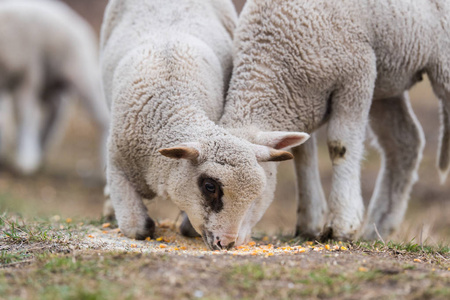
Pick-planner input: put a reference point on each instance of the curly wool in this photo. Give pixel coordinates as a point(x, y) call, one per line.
point(166, 66)
point(301, 63)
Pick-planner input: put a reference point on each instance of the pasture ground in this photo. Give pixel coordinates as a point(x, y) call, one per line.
point(70, 259)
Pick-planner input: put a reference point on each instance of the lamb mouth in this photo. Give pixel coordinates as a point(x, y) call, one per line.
point(208, 238)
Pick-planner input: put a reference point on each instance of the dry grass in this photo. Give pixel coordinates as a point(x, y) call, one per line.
point(75, 260)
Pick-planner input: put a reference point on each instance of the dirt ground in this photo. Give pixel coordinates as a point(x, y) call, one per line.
point(71, 186)
point(73, 260)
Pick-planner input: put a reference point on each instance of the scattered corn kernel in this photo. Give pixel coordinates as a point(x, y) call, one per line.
point(327, 247)
point(163, 246)
point(91, 236)
point(417, 260)
point(183, 248)
point(133, 245)
point(106, 225)
point(362, 269)
point(159, 239)
point(148, 239)
point(251, 244)
point(309, 243)
point(265, 239)
point(104, 232)
point(68, 220)
point(343, 248)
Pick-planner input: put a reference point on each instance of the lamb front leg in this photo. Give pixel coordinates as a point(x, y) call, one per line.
point(130, 211)
point(312, 206)
point(346, 134)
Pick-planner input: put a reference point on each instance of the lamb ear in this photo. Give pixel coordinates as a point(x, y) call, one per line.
point(264, 154)
point(280, 140)
point(183, 151)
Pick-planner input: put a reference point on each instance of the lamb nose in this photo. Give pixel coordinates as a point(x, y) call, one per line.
point(227, 247)
point(225, 241)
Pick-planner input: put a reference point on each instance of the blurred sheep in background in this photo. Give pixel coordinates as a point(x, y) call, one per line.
point(48, 55)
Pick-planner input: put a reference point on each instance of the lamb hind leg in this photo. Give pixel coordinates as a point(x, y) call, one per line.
point(312, 206)
point(400, 142)
point(130, 211)
point(440, 80)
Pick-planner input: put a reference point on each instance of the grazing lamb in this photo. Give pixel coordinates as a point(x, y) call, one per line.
point(303, 63)
point(166, 66)
point(47, 53)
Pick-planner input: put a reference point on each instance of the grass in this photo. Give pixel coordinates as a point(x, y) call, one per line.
point(8, 258)
point(409, 247)
point(22, 241)
point(40, 259)
point(16, 230)
point(62, 277)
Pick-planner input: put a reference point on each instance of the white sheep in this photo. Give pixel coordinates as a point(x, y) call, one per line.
point(48, 53)
point(166, 66)
point(302, 63)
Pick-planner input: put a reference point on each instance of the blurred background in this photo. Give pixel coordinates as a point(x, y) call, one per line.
point(71, 183)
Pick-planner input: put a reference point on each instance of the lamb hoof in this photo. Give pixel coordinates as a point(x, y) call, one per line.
point(329, 233)
point(141, 234)
point(186, 228)
point(108, 211)
point(306, 234)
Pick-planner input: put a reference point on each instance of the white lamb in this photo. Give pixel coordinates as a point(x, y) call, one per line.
point(47, 54)
point(166, 65)
point(302, 63)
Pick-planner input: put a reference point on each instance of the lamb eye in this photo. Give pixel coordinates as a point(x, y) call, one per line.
point(212, 192)
point(210, 187)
